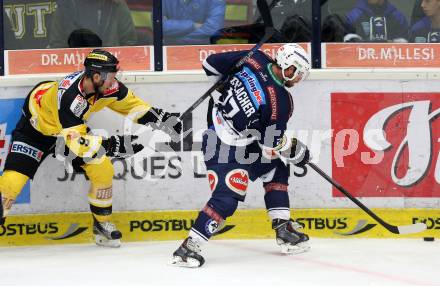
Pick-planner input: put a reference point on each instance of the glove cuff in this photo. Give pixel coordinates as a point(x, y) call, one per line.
point(153, 115)
point(105, 143)
point(111, 145)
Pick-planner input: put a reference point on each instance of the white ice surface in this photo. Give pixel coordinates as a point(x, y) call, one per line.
point(372, 262)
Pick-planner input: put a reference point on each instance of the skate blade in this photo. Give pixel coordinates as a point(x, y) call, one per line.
point(189, 263)
point(295, 249)
point(103, 241)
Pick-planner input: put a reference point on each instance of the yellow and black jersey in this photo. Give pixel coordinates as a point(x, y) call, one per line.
point(62, 108)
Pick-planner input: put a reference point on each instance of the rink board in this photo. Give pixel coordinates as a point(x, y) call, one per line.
point(328, 114)
point(67, 228)
point(190, 57)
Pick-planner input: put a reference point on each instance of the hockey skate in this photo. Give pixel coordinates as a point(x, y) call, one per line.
point(187, 255)
point(290, 237)
point(106, 234)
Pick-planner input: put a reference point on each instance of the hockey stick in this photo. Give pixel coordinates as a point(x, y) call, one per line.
point(268, 33)
point(404, 229)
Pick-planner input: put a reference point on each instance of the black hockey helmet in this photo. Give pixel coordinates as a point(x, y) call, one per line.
point(101, 61)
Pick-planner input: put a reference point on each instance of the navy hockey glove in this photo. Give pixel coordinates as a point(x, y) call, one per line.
point(121, 146)
point(160, 119)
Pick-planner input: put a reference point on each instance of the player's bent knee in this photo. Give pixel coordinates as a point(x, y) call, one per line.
point(224, 206)
point(11, 183)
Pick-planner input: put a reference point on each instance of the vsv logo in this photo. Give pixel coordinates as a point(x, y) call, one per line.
point(401, 130)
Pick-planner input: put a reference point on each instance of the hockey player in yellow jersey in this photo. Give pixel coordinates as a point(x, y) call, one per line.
point(59, 110)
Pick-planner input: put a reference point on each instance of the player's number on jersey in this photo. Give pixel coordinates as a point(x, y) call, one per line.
point(233, 106)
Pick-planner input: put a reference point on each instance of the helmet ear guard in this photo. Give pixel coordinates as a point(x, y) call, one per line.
point(293, 55)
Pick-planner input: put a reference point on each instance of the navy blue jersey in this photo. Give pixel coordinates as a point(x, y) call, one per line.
point(423, 32)
point(378, 23)
point(253, 103)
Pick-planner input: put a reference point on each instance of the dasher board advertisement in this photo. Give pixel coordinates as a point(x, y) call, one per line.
point(378, 139)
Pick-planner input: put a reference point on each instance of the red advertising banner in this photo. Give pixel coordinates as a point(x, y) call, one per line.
point(69, 60)
point(386, 144)
point(335, 55)
point(383, 55)
point(191, 57)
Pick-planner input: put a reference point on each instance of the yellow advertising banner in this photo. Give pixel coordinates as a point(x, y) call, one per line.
point(67, 228)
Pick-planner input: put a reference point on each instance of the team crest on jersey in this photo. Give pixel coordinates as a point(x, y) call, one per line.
point(212, 179)
point(78, 105)
point(238, 180)
point(28, 150)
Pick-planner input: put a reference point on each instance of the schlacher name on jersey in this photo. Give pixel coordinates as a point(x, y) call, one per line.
point(248, 91)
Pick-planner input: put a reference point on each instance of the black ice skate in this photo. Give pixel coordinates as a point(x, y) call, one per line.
point(106, 234)
point(290, 237)
point(187, 255)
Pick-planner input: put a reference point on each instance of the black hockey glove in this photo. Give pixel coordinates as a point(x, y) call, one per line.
point(121, 146)
point(159, 119)
point(298, 153)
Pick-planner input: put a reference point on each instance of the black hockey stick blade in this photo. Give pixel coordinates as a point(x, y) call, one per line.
point(265, 13)
point(404, 229)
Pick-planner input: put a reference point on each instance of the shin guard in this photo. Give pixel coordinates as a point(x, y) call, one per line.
point(100, 200)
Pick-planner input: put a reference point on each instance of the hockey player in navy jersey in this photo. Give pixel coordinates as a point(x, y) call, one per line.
point(246, 140)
